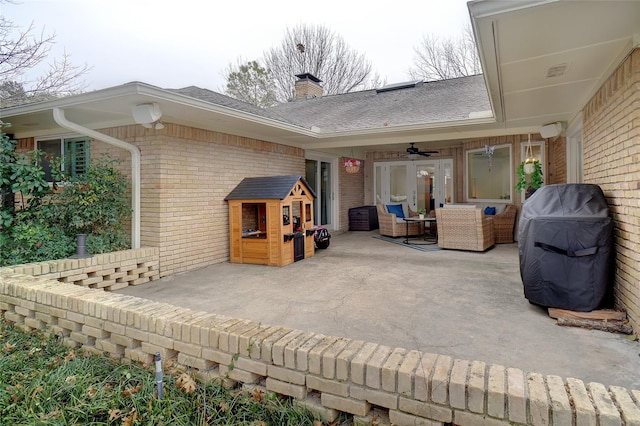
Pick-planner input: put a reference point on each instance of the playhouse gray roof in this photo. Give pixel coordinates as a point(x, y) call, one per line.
point(267, 188)
point(423, 103)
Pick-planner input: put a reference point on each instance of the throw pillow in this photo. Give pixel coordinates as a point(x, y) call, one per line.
point(490, 211)
point(396, 209)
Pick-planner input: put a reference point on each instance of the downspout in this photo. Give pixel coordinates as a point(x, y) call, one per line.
point(59, 117)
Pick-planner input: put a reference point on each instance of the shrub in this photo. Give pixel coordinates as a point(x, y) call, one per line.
point(45, 223)
point(34, 242)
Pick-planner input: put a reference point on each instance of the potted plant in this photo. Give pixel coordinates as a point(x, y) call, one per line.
point(421, 212)
point(529, 177)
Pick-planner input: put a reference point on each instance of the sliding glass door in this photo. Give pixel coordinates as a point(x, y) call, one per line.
point(319, 175)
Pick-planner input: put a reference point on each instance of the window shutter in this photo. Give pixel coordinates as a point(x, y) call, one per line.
point(76, 155)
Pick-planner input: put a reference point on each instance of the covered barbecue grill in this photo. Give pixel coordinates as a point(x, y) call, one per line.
point(565, 241)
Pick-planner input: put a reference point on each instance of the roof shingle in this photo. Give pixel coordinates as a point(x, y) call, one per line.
point(428, 103)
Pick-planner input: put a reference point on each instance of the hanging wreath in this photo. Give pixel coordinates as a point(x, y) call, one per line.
point(352, 165)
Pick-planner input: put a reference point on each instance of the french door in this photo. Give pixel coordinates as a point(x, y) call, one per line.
point(424, 184)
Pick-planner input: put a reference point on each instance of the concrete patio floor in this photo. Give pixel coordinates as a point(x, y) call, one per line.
point(466, 305)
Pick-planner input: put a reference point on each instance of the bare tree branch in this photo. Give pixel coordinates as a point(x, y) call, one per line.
point(20, 52)
point(319, 51)
point(443, 59)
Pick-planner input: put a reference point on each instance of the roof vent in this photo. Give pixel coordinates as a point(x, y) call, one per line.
point(557, 70)
point(399, 86)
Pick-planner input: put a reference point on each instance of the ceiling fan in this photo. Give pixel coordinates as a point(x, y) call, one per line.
point(413, 151)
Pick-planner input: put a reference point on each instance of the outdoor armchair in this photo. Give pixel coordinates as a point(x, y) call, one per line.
point(393, 226)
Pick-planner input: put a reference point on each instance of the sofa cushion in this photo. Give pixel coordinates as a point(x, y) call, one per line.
point(396, 209)
point(490, 211)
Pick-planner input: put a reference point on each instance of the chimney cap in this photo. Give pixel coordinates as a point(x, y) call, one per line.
point(308, 76)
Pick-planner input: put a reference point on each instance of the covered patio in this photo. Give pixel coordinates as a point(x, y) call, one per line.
point(465, 305)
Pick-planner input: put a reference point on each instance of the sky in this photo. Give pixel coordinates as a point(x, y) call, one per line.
point(173, 44)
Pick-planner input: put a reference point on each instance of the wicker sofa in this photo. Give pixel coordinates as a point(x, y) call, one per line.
point(393, 226)
point(464, 228)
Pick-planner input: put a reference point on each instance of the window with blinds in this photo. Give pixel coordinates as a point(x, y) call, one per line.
point(73, 152)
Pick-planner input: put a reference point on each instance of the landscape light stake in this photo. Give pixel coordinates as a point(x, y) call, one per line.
point(159, 374)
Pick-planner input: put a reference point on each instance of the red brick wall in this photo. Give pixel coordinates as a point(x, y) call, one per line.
point(351, 186)
point(556, 161)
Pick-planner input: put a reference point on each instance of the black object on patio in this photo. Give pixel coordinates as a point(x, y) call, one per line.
point(565, 243)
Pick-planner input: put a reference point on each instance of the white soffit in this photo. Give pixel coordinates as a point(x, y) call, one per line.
point(580, 42)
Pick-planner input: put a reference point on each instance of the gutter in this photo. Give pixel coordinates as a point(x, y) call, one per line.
point(59, 117)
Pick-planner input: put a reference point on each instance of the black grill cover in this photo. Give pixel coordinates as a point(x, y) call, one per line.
point(565, 242)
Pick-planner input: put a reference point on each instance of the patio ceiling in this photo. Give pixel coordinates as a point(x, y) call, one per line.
point(543, 60)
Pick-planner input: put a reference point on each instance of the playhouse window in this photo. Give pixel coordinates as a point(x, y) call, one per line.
point(254, 220)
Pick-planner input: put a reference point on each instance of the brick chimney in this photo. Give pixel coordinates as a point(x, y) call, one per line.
point(308, 86)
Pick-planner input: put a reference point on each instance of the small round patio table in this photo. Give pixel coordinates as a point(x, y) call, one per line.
point(424, 221)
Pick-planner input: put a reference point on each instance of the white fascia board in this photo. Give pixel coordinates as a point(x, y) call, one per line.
point(453, 134)
point(73, 100)
point(153, 93)
point(487, 8)
point(230, 112)
point(406, 128)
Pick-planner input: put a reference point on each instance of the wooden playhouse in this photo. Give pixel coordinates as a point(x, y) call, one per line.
point(271, 220)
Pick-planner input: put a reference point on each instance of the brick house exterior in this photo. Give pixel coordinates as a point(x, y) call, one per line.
point(186, 173)
point(208, 145)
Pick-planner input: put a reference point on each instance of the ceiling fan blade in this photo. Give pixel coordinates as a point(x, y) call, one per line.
point(413, 151)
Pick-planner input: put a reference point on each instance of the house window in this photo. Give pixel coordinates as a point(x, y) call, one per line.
point(73, 152)
point(489, 174)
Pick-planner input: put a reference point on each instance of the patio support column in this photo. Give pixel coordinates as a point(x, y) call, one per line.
point(59, 117)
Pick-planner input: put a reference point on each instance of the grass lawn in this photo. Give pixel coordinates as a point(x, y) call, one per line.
point(42, 382)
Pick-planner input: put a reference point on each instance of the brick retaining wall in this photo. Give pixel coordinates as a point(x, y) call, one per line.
point(326, 374)
point(108, 271)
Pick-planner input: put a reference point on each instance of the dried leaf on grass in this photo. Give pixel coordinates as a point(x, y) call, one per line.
point(130, 419)
point(52, 415)
point(186, 383)
point(131, 391)
point(8, 347)
point(36, 391)
point(91, 392)
point(223, 406)
point(114, 414)
point(257, 395)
